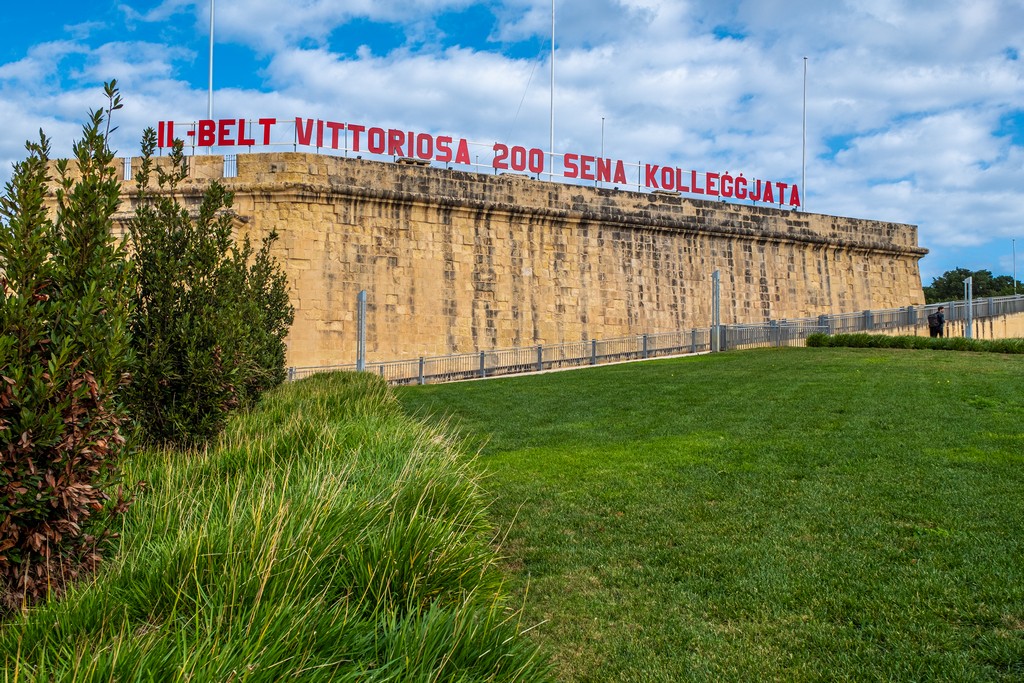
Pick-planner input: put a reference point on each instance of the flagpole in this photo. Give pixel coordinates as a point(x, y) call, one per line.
point(803, 160)
point(551, 172)
point(209, 99)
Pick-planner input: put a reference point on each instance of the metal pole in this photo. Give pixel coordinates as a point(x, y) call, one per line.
point(602, 140)
point(968, 297)
point(551, 172)
point(209, 100)
point(716, 319)
point(361, 344)
point(1013, 245)
point(803, 162)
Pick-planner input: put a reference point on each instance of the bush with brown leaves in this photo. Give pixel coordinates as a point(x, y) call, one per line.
point(65, 293)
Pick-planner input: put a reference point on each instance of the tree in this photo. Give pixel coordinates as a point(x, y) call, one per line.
point(950, 285)
point(211, 314)
point(65, 299)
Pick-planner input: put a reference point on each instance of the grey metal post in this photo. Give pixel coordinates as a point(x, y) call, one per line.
point(968, 298)
point(693, 341)
point(361, 344)
point(483, 367)
point(540, 357)
point(868, 322)
point(716, 320)
point(423, 379)
point(291, 373)
point(645, 345)
point(593, 352)
point(773, 329)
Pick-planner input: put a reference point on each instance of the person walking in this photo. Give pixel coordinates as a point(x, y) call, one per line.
point(937, 322)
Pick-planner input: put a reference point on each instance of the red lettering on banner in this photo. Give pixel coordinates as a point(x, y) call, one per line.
point(586, 167)
point(266, 124)
point(462, 154)
point(444, 149)
point(620, 172)
point(668, 178)
point(242, 140)
point(712, 181)
point(424, 146)
point(396, 139)
point(303, 131)
point(781, 187)
point(727, 185)
point(376, 140)
point(651, 176)
point(335, 129)
point(356, 130)
point(207, 132)
point(571, 168)
point(223, 132)
point(680, 186)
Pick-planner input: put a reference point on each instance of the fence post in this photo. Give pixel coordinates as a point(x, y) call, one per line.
point(593, 352)
point(774, 332)
point(361, 343)
point(423, 380)
point(291, 373)
point(483, 368)
point(823, 322)
point(693, 341)
point(716, 320)
point(868, 322)
point(540, 358)
point(644, 337)
point(723, 337)
point(969, 303)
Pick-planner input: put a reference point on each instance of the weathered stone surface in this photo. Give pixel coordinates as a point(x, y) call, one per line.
point(456, 262)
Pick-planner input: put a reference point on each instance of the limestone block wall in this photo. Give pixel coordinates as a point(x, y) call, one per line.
point(456, 262)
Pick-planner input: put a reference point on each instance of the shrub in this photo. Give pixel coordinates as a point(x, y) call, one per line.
point(884, 341)
point(211, 314)
point(65, 294)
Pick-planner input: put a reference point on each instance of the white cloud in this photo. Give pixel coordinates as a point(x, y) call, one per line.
point(905, 97)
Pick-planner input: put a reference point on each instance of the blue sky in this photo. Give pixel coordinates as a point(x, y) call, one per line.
point(915, 108)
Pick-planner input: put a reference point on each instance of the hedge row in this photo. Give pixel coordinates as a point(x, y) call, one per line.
point(882, 341)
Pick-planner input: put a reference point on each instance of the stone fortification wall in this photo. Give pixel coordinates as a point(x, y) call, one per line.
point(456, 261)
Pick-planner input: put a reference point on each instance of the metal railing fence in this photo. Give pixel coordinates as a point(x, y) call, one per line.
point(542, 357)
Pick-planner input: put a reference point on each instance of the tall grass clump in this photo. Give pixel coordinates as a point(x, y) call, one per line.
point(326, 536)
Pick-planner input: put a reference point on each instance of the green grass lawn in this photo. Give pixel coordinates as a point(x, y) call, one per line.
point(791, 514)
